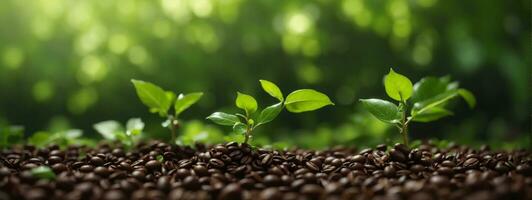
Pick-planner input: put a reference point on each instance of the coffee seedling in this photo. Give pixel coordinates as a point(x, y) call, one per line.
point(302, 100)
point(10, 135)
point(43, 172)
point(61, 138)
point(425, 101)
point(114, 131)
point(159, 101)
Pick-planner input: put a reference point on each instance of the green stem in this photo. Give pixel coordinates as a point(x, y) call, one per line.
point(173, 127)
point(404, 123)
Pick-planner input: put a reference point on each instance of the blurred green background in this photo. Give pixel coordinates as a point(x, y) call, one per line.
point(67, 64)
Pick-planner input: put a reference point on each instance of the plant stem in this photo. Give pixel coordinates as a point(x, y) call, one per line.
point(404, 123)
point(173, 127)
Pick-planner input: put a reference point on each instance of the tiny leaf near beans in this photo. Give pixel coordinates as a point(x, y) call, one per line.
point(43, 172)
point(244, 123)
point(160, 101)
point(114, 131)
point(424, 101)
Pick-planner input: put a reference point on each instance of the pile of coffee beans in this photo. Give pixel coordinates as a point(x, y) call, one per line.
point(157, 170)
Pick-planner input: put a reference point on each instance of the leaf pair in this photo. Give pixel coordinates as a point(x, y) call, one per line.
point(159, 101)
point(114, 131)
point(428, 97)
point(10, 135)
point(61, 138)
point(302, 100)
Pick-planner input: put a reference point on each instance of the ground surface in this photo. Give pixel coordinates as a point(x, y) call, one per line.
point(233, 171)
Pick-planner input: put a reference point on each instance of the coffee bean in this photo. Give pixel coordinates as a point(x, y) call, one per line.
point(270, 194)
point(96, 161)
point(191, 183)
point(358, 158)
point(101, 171)
point(54, 159)
point(267, 159)
point(217, 163)
point(59, 167)
point(86, 168)
point(389, 171)
point(138, 174)
point(382, 147)
point(231, 192)
point(439, 180)
point(402, 148)
point(272, 180)
point(114, 195)
point(397, 155)
point(153, 165)
point(311, 190)
point(471, 163)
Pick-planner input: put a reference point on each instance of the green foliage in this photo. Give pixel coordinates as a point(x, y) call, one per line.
point(114, 131)
point(427, 100)
point(160, 101)
point(10, 135)
point(43, 172)
point(302, 100)
point(61, 138)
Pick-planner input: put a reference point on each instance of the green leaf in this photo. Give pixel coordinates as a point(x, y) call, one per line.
point(246, 102)
point(383, 110)
point(183, 102)
point(134, 126)
point(438, 101)
point(269, 113)
point(429, 87)
point(272, 89)
point(306, 100)
point(223, 118)
point(108, 129)
point(40, 139)
point(431, 114)
point(397, 86)
point(160, 158)
point(154, 97)
point(43, 172)
point(468, 97)
point(240, 128)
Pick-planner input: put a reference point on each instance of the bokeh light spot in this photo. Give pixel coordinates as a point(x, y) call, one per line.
point(92, 69)
point(201, 8)
point(13, 57)
point(43, 91)
point(83, 99)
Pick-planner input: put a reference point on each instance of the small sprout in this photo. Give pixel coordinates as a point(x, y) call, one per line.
point(425, 101)
point(61, 138)
point(10, 135)
point(160, 101)
point(114, 131)
point(302, 100)
point(160, 158)
point(43, 172)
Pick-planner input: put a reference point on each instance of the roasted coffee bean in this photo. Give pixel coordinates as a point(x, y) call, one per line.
point(439, 180)
point(272, 180)
point(231, 192)
point(311, 190)
point(191, 183)
point(54, 159)
point(359, 158)
point(471, 163)
point(101, 171)
point(86, 168)
point(382, 147)
point(397, 155)
point(267, 159)
point(270, 194)
point(96, 161)
point(114, 195)
point(402, 148)
point(217, 163)
point(153, 165)
point(59, 167)
point(389, 171)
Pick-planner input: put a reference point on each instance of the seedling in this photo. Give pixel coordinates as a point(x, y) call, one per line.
point(159, 101)
point(61, 138)
point(114, 131)
point(10, 135)
point(298, 101)
point(425, 101)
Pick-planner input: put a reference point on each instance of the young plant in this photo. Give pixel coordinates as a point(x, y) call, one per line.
point(10, 135)
point(43, 172)
point(61, 138)
point(114, 131)
point(423, 102)
point(298, 101)
point(160, 101)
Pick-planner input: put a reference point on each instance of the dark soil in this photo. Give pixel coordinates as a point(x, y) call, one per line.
point(233, 171)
